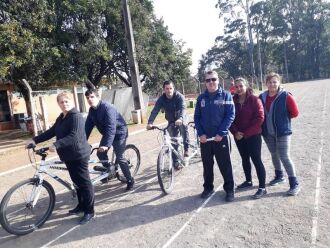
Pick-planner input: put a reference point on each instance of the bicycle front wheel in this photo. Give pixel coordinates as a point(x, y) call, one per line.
point(26, 206)
point(133, 157)
point(165, 171)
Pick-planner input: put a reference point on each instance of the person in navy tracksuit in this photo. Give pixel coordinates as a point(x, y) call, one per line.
point(114, 131)
point(214, 113)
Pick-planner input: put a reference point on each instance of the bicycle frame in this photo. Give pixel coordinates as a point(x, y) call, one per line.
point(44, 168)
point(170, 142)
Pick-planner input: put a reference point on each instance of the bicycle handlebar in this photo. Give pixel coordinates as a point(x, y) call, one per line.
point(40, 151)
point(163, 129)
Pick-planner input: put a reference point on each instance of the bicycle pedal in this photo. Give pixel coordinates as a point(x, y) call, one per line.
point(100, 168)
point(105, 180)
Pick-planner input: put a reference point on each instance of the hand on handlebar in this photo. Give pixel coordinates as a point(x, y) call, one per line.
point(52, 148)
point(30, 144)
point(149, 126)
point(103, 149)
point(178, 122)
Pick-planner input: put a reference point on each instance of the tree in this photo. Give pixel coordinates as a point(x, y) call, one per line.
point(231, 6)
point(292, 37)
point(58, 41)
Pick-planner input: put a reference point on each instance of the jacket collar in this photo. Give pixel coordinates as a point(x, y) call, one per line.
point(217, 92)
point(70, 112)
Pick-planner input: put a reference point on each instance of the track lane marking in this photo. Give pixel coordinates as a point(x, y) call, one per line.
point(318, 176)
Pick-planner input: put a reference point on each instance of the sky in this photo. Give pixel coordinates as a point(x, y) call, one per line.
point(196, 22)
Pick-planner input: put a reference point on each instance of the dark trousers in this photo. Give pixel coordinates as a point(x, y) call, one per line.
point(251, 148)
point(174, 131)
point(78, 170)
point(221, 152)
point(119, 149)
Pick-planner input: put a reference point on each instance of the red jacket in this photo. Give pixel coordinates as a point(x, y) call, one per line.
point(249, 116)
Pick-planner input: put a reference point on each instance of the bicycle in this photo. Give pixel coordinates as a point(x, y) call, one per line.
point(28, 204)
point(165, 173)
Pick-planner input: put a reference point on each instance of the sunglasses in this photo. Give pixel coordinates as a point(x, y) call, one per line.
point(211, 79)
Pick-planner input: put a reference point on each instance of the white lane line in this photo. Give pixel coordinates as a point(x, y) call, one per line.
point(170, 241)
point(318, 177)
point(103, 209)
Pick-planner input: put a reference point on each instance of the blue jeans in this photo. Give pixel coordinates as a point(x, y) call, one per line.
point(119, 149)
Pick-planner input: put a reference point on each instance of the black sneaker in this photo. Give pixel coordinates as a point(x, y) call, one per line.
point(76, 210)
point(86, 218)
point(276, 181)
point(260, 193)
point(130, 184)
point(105, 180)
point(246, 184)
point(230, 197)
point(206, 193)
point(293, 190)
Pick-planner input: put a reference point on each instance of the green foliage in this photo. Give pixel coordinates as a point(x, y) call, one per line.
point(293, 38)
point(59, 41)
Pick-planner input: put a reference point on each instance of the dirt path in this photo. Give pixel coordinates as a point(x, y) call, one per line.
point(147, 218)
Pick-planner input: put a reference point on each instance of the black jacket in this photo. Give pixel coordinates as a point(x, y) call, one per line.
point(71, 143)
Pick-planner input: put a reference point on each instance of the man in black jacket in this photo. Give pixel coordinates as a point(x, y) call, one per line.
point(114, 131)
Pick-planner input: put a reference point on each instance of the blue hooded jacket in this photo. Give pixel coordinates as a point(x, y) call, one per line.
point(214, 113)
point(175, 108)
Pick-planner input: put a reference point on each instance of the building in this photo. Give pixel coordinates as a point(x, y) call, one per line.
point(6, 113)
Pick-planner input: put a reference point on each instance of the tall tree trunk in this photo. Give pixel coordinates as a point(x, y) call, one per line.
point(260, 63)
point(247, 7)
point(285, 62)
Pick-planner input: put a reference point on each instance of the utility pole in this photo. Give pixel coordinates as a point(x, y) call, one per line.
point(133, 66)
point(33, 112)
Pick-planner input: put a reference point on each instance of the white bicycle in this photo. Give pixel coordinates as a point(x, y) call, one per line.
point(170, 146)
point(28, 204)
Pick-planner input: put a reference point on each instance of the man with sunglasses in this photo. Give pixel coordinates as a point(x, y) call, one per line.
point(173, 103)
point(114, 131)
point(214, 113)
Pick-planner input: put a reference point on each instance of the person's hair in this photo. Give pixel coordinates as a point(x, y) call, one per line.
point(211, 73)
point(92, 91)
point(243, 80)
point(64, 94)
point(167, 82)
point(271, 75)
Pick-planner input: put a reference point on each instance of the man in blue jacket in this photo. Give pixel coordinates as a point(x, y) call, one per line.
point(173, 103)
point(114, 131)
point(214, 113)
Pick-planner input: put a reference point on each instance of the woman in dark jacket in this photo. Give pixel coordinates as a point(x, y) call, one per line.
point(246, 128)
point(73, 149)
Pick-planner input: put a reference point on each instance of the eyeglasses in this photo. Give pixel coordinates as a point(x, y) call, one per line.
point(211, 79)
